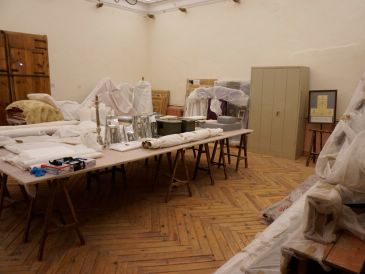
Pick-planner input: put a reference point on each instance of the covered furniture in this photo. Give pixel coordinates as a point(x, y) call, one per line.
point(31, 112)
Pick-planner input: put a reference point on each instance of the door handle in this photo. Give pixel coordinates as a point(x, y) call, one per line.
point(277, 113)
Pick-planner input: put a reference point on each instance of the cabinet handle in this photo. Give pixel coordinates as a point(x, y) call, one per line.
point(277, 113)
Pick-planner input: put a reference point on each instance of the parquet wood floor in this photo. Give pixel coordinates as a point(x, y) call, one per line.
point(135, 231)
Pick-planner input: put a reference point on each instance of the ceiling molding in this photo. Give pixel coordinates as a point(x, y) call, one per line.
point(157, 7)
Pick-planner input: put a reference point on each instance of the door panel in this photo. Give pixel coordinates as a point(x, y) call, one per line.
point(29, 61)
point(255, 109)
point(4, 97)
point(25, 85)
point(27, 41)
point(267, 104)
point(278, 114)
point(3, 66)
point(292, 109)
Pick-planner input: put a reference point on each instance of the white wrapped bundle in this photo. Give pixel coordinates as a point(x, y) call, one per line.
point(182, 138)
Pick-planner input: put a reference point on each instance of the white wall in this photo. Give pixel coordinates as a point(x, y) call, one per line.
point(225, 40)
point(85, 44)
point(221, 40)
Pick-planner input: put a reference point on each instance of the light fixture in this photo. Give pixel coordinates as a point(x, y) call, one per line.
point(130, 2)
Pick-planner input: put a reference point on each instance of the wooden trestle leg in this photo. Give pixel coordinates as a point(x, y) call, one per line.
point(50, 204)
point(197, 163)
point(3, 190)
point(30, 215)
point(242, 145)
point(173, 180)
point(221, 157)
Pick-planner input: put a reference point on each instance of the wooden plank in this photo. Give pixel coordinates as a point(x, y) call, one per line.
point(348, 253)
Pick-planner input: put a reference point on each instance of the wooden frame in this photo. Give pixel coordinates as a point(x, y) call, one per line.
point(322, 106)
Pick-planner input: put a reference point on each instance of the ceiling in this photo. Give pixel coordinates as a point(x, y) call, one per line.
point(151, 1)
point(156, 6)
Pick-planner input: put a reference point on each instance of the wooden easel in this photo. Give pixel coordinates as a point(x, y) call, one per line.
point(313, 144)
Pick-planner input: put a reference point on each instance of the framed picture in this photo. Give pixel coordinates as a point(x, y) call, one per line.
point(322, 106)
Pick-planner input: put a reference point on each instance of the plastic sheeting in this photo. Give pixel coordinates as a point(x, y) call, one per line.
point(342, 163)
point(197, 101)
point(342, 160)
point(142, 100)
point(342, 170)
point(123, 99)
point(119, 98)
point(325, 214)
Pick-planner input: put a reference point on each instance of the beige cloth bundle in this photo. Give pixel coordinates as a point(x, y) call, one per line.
point(322, 211)
point(182, 138)
point(325, 214)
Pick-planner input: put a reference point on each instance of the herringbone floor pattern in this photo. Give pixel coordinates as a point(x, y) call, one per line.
point(134, 231)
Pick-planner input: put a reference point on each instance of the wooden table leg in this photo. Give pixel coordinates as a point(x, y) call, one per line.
point(214, 151)
point(228, 151)
point(30, 215)
point(197, 163)
point(313, 140)
point(47, 218)
point(3, 190)
point(169, 160)
point(242, 145)
point(314, 146)
point(221, 143)
point(53, 186)
point(124, 176)
point(194, 153)
point(158, 164)
point(245, 149)
point(114, 170)
point(186, 171)
point(73, 213)
point(172, 175)
point(206, 147)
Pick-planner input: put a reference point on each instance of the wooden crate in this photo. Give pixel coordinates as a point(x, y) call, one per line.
point(160, 100)
point(192, 84)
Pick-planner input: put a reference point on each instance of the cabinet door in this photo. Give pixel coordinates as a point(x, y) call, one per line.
point(254, 122)
point(267, 108)
point(24, 85)
point(292, 112)
point(279, 90)
point(4, 97)
point(34, 62)
point(3, 66)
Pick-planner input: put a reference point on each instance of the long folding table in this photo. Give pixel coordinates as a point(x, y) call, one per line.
point(110, 159)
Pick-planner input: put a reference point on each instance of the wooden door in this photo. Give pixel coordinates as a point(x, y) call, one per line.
point(24, 85)
point(29, 64)
point(4, 97)
point(3, 66)
point(28, 72)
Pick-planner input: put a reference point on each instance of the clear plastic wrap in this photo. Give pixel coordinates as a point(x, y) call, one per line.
point(197, 102)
